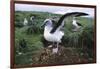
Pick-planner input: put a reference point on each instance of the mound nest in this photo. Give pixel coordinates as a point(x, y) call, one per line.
point(64, 56)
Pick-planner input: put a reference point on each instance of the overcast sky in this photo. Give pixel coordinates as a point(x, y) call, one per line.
point(53, 9)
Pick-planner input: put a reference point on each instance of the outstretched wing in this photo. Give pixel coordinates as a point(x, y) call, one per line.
point(60, 22)
point(81, 14)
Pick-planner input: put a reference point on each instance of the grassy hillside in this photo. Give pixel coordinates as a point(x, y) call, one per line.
point(29, 47)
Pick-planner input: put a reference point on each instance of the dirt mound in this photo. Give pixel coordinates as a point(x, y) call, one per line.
point(64, 56)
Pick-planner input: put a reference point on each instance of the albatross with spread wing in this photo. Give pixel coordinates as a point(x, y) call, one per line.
point(54, 33)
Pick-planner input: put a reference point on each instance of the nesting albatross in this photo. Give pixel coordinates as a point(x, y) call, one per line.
point(54, 33)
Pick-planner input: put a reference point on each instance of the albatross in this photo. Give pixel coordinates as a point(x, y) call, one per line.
point(54, 33)
point(76, 25)
point(53, 37)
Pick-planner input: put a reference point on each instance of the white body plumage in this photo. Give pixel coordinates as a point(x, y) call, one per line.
point(55, 37)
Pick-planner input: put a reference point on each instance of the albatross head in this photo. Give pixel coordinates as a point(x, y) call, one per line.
point(48, 23)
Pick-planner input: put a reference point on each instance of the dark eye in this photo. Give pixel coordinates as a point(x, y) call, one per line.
point(49, 23)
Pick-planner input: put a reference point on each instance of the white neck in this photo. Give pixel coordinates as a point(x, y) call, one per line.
point(47, 29)
point(74, 21)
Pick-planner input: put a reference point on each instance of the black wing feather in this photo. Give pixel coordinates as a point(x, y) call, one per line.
point(75, 14)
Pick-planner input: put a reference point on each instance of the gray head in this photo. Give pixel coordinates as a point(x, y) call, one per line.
point(48, 22)
point(32, 18)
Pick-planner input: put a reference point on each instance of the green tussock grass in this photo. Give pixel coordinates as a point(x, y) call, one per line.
point(28, 40)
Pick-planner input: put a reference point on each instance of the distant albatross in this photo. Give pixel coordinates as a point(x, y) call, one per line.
point(54, 33)
point(76, 25)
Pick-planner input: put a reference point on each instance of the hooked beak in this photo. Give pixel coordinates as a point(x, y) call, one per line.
point(42, 25)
